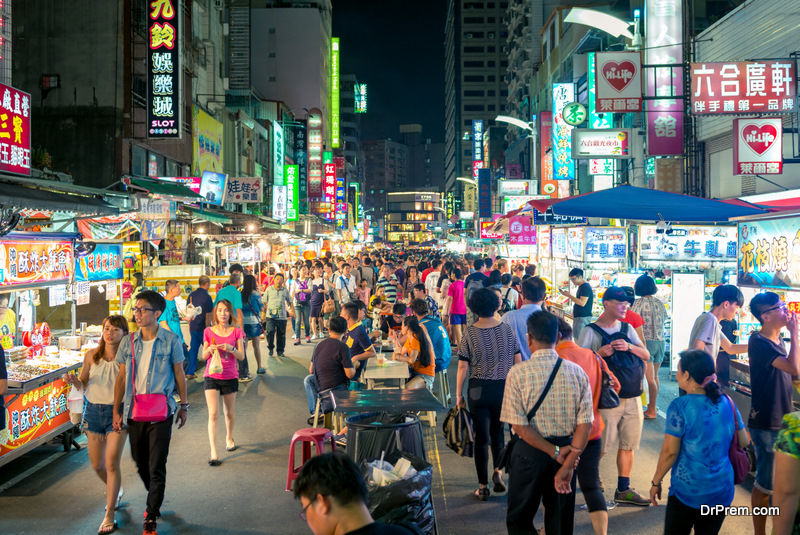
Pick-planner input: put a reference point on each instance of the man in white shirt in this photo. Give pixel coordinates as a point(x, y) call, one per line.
point(431, 281)
point(533, 292)
point(346, 285)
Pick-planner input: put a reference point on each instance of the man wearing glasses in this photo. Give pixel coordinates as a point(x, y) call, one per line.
point(334, 497)
point(159, 370)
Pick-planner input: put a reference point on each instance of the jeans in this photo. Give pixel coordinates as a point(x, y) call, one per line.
point(301, 316)
point(310, 383)
point(485, 401)
point(680, 518)
point(763, 440)
point(279, 326)
point(149, 449)
point(190, 365)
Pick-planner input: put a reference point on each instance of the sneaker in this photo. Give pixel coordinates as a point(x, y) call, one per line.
point(341, 440)
point(311, 419)
point(281, 355)
point(150, 527)
point(245, 379)
point(308, 339)
point(297, 342)
point(261, 371)
point(271, 352)
point(631, 496)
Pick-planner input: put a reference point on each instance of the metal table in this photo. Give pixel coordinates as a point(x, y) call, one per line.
point(387, 400)
point(394, 369)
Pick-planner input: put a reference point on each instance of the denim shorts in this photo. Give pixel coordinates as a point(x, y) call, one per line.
point(657, 348)
point(763, 440)
point(98, 418)
point(427, 378)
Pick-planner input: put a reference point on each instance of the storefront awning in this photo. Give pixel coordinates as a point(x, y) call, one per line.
point(165, 188)
point(13, 196)
point(206, 215)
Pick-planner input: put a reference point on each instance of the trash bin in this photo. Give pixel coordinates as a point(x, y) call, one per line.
point(372, 433)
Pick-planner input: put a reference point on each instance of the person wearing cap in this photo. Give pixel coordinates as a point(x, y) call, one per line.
point(625, 353)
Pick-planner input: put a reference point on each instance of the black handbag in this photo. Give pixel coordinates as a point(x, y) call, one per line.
point(505, 455)
point(609, 398)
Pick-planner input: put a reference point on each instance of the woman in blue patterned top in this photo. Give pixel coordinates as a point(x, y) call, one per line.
point(699, 432)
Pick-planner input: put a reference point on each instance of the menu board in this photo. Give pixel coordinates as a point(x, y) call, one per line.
point(606, 244)
point(575, 244)
point(558, 242)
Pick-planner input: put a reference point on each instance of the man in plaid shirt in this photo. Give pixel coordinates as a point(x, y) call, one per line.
point(542, 463)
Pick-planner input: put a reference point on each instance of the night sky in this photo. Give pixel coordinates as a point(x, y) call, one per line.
point(396, 47)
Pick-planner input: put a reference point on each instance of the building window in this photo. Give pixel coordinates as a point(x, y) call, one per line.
point(474, 107)
point(473, 93)
point(491, 35)
point(490, 63)
point(473, 64)
point(467, 122)
point(271, 54)
point(473, 5)
point(473, 20)
point(504, 92)
point(504, 63)
point(467, 152)
point(473, 50)
point(473, 35)
point(490, 93)
point(491, 107)
point(490, 5)
point(272, 30)
point(490, 20)
point(475, 78)
point(491, 78)
point(491, 49)
point(272, 78)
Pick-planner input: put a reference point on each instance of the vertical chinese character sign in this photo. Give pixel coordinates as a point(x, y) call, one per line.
point(291, 174)
point(485, 193)
point(664, 35)
point(163, 70)
point(329, 193)
point(758, 146)
point(477, 147)
point(563, 164)
point(546, 129)
point(314, 153)
point(15, 131)
point(334, 84)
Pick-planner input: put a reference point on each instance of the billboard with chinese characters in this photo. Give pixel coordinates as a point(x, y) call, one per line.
point(563, 164)
point(513, 187)
point(601, 166)
point(300, 156)
point(548, 185)
point(758, 146)
point(664, 46)
point(245, 190)
point(549, 218)
point(605, 244)
point(277, 153)
point(15, 131)
point(608, 143)
point(769, 254)
point(104, 263)
point(543, 237)
point(34, 414)
point(685, 243)
point(279, 203)
point(334, 85)
point(486, 231)
point(314, 154)
point(485, 193)
point(329, 191)
point(191, 182)
point(212, 187)
point(477, 140)
point(32, 262)
point(744, 87)
point(156, 209)
point(515, 202)
point(521, 231)
point(290, 173)
point(207, 146)
point(360, 91)
point(164, 70)
point(619, 82)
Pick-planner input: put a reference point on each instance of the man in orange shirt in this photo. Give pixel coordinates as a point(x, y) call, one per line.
point(589, 465)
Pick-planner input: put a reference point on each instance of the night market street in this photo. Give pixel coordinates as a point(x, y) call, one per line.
point(246, 493)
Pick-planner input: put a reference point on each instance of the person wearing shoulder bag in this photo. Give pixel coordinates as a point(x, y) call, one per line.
point(150, 370)
point(551, 441)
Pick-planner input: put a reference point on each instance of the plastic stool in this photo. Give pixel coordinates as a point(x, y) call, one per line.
point(307, 436)
point(444, 387)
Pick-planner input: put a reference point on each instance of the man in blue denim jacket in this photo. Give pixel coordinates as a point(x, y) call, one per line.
point(159, 370)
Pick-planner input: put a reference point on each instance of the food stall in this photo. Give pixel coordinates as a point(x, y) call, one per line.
point(36, 276)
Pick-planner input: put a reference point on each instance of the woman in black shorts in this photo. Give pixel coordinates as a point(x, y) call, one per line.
point(227, 339)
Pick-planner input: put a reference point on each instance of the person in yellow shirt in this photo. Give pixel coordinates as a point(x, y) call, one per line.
point(8, 324)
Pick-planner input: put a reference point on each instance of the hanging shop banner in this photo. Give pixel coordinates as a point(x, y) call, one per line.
point(485, 193)
point(558, 242)
point(300, 156)
point(607, 143)
point(605, 244)
point(191, 182)
point(744, 87)
point(543, 239)
point(575, 244)
point(563, 164)
point(30, 262)
point(154, 209)
point(664, 46)
point(515, 202)
point(244, 190)
point(154, 230)
point(279, 204)
point(213, 187)
point(549, 218)
point(164, 70)
point(34, 414)
point(290, 174)
point(314, 154)
point(277, 152)
point(548, 185)
point(334, 85)
point(486, 231)
point(601, 166)
point(207, 146)
point(513, 187)
point(758, 146)
point(104, 263)
point(684, 243)
point(521, 231)
point(769, 254)
point(619, 81)
point(15, 131)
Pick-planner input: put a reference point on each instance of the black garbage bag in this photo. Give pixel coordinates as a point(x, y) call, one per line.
point(372, 433)
point(406, 501)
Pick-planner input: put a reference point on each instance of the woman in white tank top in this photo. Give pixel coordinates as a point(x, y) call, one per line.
point(97, 378)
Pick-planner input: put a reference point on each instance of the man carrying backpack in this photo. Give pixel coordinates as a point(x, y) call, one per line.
point(508, 295)
point(620, 346)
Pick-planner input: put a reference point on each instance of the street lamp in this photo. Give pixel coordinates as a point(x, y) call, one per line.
point(602, 21)
point(467, 180)
point(530, 127)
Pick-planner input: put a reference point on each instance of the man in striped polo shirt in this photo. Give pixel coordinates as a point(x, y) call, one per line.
point(389, 282)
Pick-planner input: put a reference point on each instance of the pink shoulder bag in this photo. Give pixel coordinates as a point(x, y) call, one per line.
point(146, 407)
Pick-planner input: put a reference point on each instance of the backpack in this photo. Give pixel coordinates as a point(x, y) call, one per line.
point(472, 285)
point(459, 431)
point(505, 305)
point(628, 368)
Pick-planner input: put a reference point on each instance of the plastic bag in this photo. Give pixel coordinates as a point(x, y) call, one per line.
point(75, 404)
point(405, 500)
point(215, 366)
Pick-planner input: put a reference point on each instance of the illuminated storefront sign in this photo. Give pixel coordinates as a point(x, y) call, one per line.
point(744, 87)
point(563, 164)
point(664, 46)
point(155, 209)
point(606, 143)
point(314, 154)
point(513, 187)
point(687, 244)
point(104, 263)
point(290, 173)
point(360, 91)
point(191, 182)
point(477, 140)
point(213, 187)
point(543, 239)
point(549, 187)
point(605, 244)
point(515, 202)
point(335, 92)
point(521, 231)
point(329, 192)
point(619, 82)
point(277, 151)
point(29, 262)
point(34, 414)
point(558, 242)
point(279, 203)
point(450, 204)
point(15, 131)
point(758, 146)
point(300, 156)
point(549, 218)
point(244, 190)
point(487, 234)
point(207, 146)
point(164, 70)
point(575, 243)
point(485, 193)
point(601, 166)
point(768, 254)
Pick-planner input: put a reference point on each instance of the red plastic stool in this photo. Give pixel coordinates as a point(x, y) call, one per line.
point(307, 436)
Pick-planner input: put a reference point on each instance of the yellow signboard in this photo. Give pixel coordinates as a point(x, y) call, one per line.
point(206, 143)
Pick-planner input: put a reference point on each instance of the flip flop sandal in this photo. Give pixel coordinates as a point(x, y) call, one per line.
point(107, 528)
point(214, 462)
